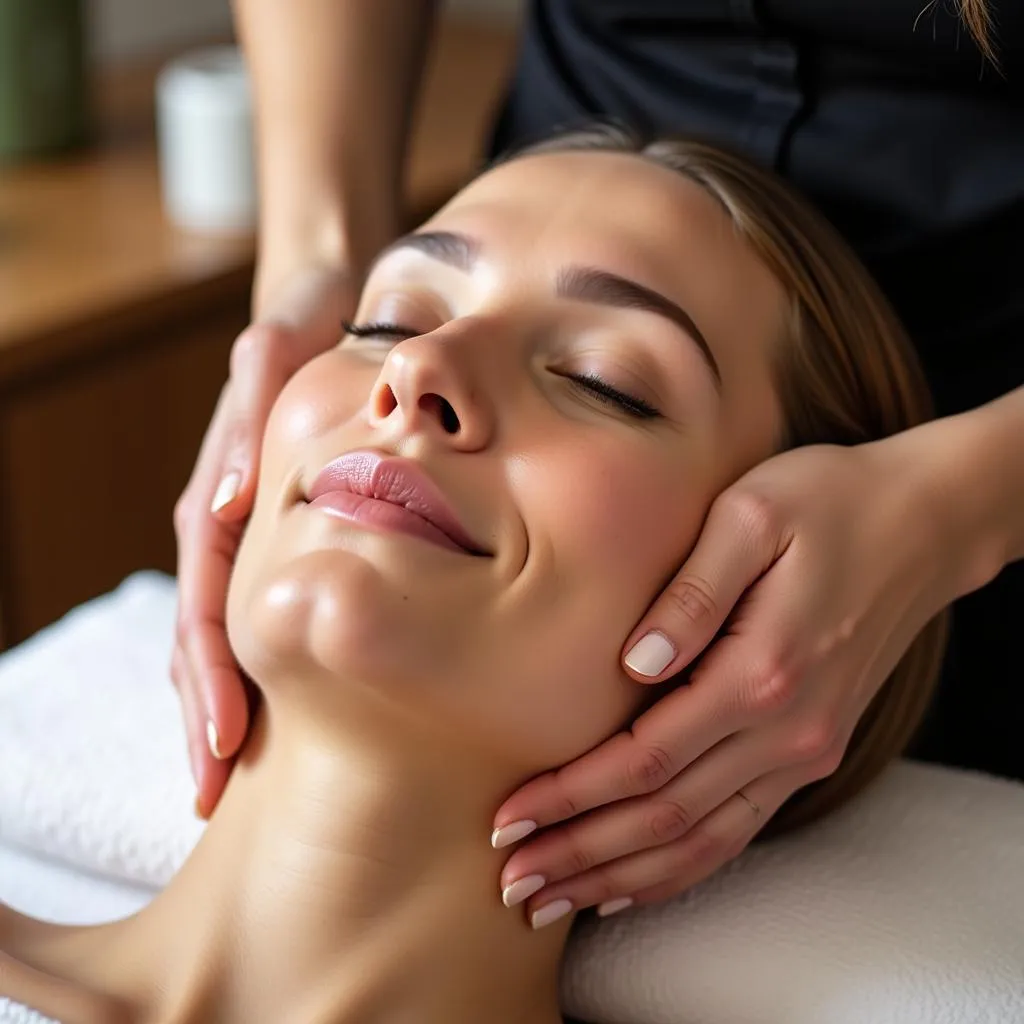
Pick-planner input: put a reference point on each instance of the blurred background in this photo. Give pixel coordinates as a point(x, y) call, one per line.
point(116, 321)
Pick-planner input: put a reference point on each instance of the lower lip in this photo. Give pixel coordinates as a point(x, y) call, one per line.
point(383, 515)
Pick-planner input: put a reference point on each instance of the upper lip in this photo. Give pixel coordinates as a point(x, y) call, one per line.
point(398, 481)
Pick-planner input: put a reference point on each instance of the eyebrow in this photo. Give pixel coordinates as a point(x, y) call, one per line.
point(587, 284)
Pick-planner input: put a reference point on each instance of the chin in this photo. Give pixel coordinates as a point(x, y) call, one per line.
point(329, 615)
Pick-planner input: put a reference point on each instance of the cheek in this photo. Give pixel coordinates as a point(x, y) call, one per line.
point(607, 524)
point(326, 391)
point(621, 515)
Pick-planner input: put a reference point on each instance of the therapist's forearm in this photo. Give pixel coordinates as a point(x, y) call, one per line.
point(1003, 426)
point(985, 453)
point(333, 84)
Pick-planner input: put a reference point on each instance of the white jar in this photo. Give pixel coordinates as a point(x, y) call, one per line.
point(205, 140)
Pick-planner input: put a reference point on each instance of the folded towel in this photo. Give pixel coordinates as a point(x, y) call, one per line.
point(14, 1013)
point(906, 907)
point(93, 761)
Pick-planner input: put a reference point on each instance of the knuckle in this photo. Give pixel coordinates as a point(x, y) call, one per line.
point(185, 627)
point(703, 848)
point(775, 687)
point(754, 513)
point(174, 669)
point(650, 767)
point(816, 740)
point(602, 886)
point(828, 761)
point(182, 515)
point(692, 598)
point(828, 764)
point(670, 820)
point(578, 860)
point(258, 343)
point(563, 804)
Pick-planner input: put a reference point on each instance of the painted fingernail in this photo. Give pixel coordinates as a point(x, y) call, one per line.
point(651, 654)
point(522, 889)
point(550, 913)
point(213, 739)
point(227, 490)
point(197, 809)
point(610, 907)
point(512, 833)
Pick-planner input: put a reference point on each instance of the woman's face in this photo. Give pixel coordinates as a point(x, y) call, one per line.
point(577, 354)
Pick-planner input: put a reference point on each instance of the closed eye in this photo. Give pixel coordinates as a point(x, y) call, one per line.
point(589, 382)
point(379, 329)
point(604, 391)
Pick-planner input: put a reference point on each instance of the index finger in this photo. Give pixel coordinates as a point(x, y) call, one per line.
point(661, 743)
point(206, 555)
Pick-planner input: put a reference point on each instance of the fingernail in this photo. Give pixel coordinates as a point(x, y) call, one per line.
point(522, 889)
point(226, 491)
point(511, 833)
point(552, 912)
point(213, 739)
point(614, 906)
point(651, 654)
point(197, 808)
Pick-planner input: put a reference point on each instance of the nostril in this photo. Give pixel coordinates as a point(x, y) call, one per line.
point(443, 409)
point(386, 401)
point(449, 420)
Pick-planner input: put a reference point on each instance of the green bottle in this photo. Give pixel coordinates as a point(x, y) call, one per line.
point(44, 103)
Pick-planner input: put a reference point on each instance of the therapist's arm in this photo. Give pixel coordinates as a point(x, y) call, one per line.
point(333, 84)
point(827, 562)
point(985, 484)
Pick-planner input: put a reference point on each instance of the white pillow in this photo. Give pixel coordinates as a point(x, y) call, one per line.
point(905, 907)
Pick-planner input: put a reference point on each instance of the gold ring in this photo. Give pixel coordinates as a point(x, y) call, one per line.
point(750, 803)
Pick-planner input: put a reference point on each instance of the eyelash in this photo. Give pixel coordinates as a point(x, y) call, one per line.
point(378, 329)
point(590, 382)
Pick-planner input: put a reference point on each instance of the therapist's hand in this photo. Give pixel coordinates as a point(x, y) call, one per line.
point(822, 564)
point(301, 319)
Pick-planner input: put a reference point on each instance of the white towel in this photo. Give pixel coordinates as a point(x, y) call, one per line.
point(93, 762)
point(14, 1013)
point(906, 907)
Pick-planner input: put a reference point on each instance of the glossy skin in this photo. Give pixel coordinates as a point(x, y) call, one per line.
point(797, 556)
point(566, 488)
point(407, 687)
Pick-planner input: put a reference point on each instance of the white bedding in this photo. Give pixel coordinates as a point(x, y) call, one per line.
point(907, 907)
point(36, 885)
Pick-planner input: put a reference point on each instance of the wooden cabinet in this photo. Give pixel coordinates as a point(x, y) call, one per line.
point(115, 330)
point(94, 453)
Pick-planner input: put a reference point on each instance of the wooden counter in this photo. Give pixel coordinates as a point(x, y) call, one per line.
point(115, 329)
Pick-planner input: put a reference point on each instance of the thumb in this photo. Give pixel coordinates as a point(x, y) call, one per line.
point(733, 550)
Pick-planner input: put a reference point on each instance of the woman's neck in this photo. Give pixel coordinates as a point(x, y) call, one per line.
point(342, 884)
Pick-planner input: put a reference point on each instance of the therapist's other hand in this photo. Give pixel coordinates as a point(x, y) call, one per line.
point(822, 564)
point(301, 319)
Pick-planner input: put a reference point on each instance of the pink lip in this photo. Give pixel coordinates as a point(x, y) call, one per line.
point(390, 493)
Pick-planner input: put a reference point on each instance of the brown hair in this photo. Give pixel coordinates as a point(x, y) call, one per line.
point(978, 19)
point(847, 374)
point(975, 14)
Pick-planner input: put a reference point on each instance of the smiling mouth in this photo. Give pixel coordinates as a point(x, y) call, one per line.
point(393, 495)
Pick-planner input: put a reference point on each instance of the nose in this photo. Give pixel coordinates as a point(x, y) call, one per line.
point(427, 386)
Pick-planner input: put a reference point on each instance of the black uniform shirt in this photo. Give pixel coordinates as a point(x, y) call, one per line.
point(886, 115)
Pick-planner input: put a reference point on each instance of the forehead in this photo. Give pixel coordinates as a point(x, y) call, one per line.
point(627, 215)
point(612, 187)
